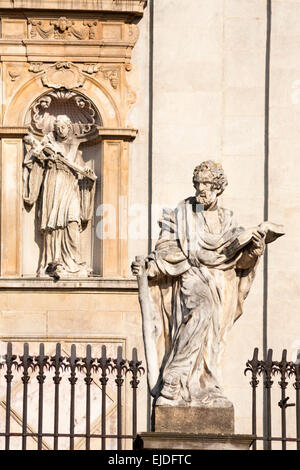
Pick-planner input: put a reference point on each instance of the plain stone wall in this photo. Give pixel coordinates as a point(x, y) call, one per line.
point(284, 293)
point(209, 103)
point(138, 79)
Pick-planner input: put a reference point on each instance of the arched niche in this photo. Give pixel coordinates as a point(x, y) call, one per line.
point(85, 119)
point(15, 112)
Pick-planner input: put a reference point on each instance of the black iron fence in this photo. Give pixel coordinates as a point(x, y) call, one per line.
point(23, 379)
point(287, 374)
point(64, 400)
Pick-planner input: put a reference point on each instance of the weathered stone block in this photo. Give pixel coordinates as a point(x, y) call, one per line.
point(184, 419)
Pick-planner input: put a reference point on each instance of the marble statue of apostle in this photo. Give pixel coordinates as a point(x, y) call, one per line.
point(192, 289)
point(55, 173)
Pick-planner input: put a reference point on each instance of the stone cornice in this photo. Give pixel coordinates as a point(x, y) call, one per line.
point(133, 7)
point(13, 131)
point(74, 51)
point(92, 284)
point(118, 133)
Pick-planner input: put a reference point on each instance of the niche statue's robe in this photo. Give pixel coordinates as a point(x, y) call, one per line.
point(53, 171)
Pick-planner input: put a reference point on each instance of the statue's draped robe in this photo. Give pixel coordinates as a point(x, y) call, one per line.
point(66, 201)
point(196, 297)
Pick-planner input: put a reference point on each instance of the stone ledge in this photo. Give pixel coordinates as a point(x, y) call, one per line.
point(125, 133)
point(182, 441)
point(93, 283)
point(134, 7)
point(13, 131)
point(70, 51)
point(116, 133)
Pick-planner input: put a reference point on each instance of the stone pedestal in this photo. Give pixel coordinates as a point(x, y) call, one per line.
point(184, 441)
point(193, 428)
point(193, 419)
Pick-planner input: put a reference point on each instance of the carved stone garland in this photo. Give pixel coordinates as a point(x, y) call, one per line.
point(62, 28)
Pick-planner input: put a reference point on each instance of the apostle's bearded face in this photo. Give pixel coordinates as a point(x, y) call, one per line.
point(206, 193)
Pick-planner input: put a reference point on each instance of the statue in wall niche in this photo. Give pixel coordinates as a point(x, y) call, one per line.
point(191, 291)
point(56, 177)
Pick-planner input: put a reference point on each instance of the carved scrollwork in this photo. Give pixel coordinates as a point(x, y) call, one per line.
point(14, 74)
point(63, 102)
point(92, 25)
point(133, 33)
point(36, 67)
point(90, 68)
point(61, 27)
point(63, 75)
point(112, 74)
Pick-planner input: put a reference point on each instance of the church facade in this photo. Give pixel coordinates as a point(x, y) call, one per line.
point(132, 96)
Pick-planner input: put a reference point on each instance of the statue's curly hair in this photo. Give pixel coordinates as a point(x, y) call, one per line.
point(64, 118)
point(214, 172)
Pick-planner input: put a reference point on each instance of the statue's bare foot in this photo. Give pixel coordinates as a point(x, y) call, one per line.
point(162, 401)
point(221, 402)
point(213, 400)
point(171, 387)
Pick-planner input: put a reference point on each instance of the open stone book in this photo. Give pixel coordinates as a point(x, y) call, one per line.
point(272, 231)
